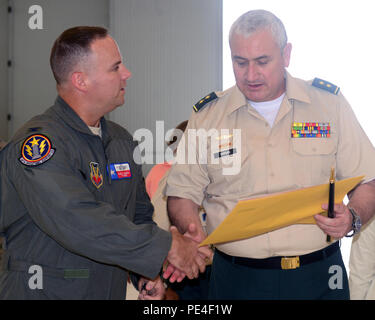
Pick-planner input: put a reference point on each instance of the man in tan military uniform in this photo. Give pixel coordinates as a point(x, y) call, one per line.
point(271, 133)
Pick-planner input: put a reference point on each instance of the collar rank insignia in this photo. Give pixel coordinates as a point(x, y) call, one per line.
point(36, 150)
point(325, 85)
point(95, 175)
point(201, 103)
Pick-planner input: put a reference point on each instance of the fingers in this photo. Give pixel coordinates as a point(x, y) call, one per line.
point(182, 253)
point(338, 226)
point(168, 271)
point(201, 262)
point(173, 274)
point(206, 251)
point(152, 290)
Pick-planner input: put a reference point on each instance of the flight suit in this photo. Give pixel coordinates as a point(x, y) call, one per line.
point(74, 205)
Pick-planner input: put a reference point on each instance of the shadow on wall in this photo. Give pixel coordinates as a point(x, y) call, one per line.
point(2, 144)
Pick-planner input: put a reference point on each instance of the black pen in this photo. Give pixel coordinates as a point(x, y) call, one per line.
point(331, 198)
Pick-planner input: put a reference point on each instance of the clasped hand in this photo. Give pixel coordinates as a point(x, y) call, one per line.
point(185, 257)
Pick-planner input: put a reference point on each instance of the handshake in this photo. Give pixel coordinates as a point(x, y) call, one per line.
point(184, 259)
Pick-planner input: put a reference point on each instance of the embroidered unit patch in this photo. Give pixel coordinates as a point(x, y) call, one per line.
point(95, 175)
point(36, 150)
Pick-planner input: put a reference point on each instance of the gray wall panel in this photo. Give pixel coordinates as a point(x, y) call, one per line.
point(3, 69)
point(174, 50)
point(33, 83)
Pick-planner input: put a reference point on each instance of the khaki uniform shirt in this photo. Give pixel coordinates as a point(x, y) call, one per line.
point(362, 264)
point(267, 160)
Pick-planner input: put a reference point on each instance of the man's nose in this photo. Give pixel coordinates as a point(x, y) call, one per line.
point(252, 72)
point(126, 74)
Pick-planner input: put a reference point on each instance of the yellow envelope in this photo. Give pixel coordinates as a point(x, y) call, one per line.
point(253, 217)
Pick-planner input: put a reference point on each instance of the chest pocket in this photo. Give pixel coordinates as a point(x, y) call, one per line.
point(313, 159)
point(314, 146)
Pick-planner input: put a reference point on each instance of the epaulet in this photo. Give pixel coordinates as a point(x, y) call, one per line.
point(201, 103)
point(325, 85)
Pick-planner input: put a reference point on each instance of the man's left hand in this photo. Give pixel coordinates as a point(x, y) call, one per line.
point(151, 289)
point(336, 227)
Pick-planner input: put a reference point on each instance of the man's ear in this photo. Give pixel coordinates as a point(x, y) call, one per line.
point(79, 81)
point(286, 54)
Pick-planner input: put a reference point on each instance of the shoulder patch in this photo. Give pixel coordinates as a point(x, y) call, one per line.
point(325, 85)
point(36, 150)
point(201, 103)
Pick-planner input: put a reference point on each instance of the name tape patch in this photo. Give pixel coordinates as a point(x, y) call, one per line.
point(120, 171)
point(225, 153)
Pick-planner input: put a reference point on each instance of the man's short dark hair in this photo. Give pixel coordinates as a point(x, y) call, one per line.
point(71, 47)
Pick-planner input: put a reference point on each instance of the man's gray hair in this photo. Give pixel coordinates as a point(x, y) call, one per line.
point(256, 20)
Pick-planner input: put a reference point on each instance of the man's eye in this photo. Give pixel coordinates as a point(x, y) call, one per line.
point(262, 62)
point(242, 64)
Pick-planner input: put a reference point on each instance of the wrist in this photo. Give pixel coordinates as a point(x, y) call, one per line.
point(356, 223)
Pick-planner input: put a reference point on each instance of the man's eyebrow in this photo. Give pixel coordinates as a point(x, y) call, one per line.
point(239, 58)
point(115, 64)
point(262, 57)
point(255, 59)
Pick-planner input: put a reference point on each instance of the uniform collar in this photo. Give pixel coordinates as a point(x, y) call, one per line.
point(72, 118)
point(236, 99)
point(295, 90)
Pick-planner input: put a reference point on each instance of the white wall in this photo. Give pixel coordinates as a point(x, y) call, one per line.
point(174, 50)
point(3, 69)
point(33, 83)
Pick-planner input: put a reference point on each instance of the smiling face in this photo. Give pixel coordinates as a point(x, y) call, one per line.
point(259, 65)
point(106, 75)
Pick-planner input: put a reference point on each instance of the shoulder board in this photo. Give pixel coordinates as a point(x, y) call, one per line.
point(325, 85)
point(201, 103)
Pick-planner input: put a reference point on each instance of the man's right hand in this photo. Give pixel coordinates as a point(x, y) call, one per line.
point(183, 253)
point(203, 256)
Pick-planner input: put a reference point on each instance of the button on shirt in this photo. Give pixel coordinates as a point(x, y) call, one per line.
point(262, 160)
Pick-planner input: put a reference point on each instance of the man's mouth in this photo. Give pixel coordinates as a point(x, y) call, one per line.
point(254, 86)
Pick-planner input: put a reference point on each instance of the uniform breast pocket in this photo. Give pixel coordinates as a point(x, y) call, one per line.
point(313, 159)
